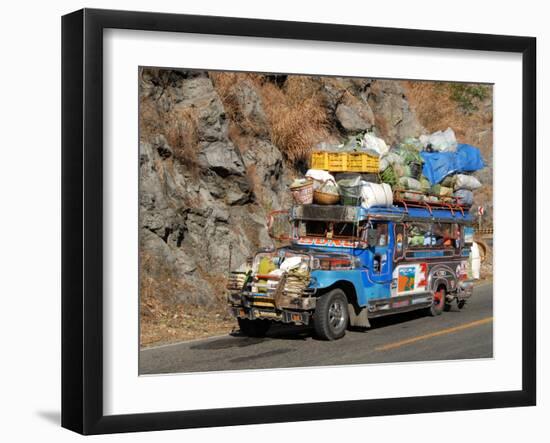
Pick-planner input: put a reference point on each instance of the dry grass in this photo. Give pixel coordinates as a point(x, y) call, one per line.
point(164, 319)
point(297, 116)
point(296, 113)
point(179, 126)
point(436, 109)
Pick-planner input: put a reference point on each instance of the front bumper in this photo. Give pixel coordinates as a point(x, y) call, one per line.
point(465, 289)
point(281, 315)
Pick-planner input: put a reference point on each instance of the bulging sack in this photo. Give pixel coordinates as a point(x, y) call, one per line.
point(374, 146)
point(469, 182)
point(319, 177)
point(374, 194)
point(464, 197)
point(441, 141)
point(410, 184)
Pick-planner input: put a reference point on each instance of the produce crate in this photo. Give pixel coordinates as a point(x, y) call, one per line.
point(344, 161)
point(362, 162)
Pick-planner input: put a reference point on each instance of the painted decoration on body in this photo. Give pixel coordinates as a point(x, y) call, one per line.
point(405, 281)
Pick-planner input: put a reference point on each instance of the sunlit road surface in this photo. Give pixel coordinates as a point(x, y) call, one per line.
point(414, 336)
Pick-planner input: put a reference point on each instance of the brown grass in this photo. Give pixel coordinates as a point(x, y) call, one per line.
point(296, 113)
point(164, 319)
point(179, 126)
point(297, 116)
point(437, 110)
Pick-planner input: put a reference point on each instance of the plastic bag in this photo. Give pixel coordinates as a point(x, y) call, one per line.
point(448, 181)
point(319, 177)
point(330, 187)
point(468, 182)
point(373, 145)
point(389, 159)
point(412, 143)
point(399, 170)
point(468, 158)
point(408, 155)
point(441, 191)
point(464, 197)
point(425, 184)
point(441, 141)
point(410, 184)
point(438, 165)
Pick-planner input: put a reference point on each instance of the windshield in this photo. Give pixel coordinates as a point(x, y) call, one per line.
point(328, 230)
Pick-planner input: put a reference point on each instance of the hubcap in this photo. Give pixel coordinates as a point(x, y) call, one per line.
point(336, 315)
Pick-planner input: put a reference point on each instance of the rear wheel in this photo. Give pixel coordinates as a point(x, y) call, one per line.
point(254, 328)
point(438, 304)
point(331, 315)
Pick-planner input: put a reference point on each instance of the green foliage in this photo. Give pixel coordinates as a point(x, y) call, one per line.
point(468, 96)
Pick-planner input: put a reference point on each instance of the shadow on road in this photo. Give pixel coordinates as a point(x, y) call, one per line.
point(283, 332)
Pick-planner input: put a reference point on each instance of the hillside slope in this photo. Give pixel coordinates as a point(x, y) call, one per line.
point(217, 153)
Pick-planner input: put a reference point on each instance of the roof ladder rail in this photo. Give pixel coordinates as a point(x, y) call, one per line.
point(450, 208)
point(429, 207)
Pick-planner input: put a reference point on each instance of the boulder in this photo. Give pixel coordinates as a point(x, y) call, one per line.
point(222, 158)
point(394, 118)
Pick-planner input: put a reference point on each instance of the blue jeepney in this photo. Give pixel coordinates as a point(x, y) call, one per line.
point(345, 265)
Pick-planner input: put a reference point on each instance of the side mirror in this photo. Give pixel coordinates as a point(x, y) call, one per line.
point(468, 236)
point(371, 237)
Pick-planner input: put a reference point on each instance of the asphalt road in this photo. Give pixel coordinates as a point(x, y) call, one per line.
point(413, 336)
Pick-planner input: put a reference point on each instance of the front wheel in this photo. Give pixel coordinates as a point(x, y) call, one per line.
point(438, 304)
point(254, 328)
point(331, 315)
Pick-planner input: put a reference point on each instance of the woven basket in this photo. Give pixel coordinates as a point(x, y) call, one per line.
point(324, 198)
point(303, 194)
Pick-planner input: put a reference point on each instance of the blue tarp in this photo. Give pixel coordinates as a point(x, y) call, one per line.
point(438, 165)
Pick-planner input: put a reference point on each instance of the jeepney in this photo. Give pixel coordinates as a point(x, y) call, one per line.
point(356, 264)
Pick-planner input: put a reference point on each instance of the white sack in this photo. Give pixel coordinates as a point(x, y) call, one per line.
point(319, 177)
point(442, 141)
point(469, 182)
point(475, 259)
point(374, 146)
point(374, 194)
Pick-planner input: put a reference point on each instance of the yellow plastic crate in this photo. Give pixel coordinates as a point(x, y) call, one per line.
point(344, 161)
point(319, 160)
point(337, 161)
point(361, 162)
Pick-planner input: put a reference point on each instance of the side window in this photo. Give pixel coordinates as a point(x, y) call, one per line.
point(381, 234)
point(419, 235)
point(399, 241)
point(447, 235)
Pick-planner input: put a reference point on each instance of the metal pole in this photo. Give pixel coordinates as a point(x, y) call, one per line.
point(230, 250)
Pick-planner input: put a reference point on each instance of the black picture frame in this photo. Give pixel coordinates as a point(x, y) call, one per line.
point(82, 218)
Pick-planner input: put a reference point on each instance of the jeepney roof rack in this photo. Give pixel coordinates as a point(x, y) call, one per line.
point(451, 204)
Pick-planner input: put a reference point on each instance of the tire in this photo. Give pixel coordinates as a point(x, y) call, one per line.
point(254, 328)
point(438, 304)
point(331, 316)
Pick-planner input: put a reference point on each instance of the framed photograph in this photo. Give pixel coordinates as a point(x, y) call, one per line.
point(269, 221)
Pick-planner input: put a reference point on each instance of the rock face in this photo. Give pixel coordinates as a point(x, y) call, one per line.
point(205, 192)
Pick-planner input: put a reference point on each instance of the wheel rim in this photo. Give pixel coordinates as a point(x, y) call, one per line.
point(439, 298)
point(336, 315)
